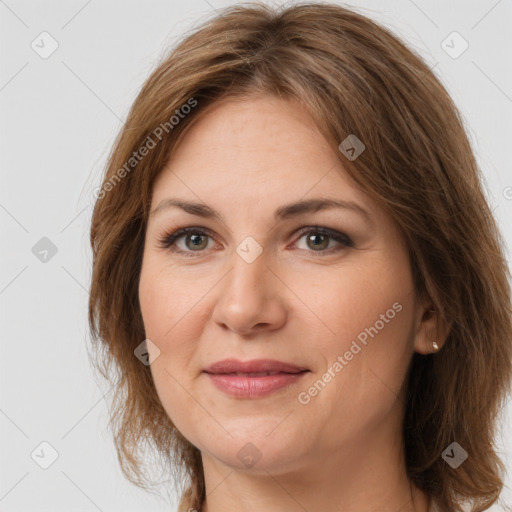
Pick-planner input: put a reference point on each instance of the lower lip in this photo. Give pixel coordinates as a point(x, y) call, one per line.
point(252, 387)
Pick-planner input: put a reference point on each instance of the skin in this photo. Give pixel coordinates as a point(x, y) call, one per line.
point(341, 451)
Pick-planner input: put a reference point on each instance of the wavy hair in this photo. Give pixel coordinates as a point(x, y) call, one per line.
point(354, 77)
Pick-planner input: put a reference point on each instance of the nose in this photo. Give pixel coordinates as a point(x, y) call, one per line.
point(251, 298)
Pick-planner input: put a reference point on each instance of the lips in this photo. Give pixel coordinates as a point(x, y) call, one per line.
point(253, 368)
point(253, 379)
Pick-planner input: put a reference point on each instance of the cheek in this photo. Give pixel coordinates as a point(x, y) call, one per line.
point(364, 363)
point(342, 303)
point(167, 308)
point(167, 325)
point(164, 299)
point(363, 316)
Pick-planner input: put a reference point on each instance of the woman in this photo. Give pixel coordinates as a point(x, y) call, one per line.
point(298, 277)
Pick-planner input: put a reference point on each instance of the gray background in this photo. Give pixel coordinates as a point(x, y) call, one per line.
point(59, 117)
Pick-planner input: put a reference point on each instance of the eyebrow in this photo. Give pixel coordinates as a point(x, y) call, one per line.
point(282, 213)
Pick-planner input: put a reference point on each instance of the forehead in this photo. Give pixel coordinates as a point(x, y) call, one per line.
point(250, 147)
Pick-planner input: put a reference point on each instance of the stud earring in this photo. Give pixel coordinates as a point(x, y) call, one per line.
point(434, 344)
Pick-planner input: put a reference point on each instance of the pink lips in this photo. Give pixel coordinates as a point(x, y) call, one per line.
point(252, 379)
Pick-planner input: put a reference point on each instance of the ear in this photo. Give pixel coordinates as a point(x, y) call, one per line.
point(430, 327)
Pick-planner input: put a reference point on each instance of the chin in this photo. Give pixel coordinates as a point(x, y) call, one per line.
point(257, 453)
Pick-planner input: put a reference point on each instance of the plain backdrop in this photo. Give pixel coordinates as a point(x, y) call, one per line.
point(59, 116)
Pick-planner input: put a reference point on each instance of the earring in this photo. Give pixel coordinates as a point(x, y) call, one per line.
point(434, 344)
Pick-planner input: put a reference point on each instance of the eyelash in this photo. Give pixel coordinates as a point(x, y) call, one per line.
point(168, 239)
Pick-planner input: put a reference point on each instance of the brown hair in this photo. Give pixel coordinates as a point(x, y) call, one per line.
point(354, 77)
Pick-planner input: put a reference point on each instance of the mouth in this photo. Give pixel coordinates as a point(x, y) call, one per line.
point(254, 379)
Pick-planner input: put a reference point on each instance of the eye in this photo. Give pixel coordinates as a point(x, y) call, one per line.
point(317, 238)
point(196, 240)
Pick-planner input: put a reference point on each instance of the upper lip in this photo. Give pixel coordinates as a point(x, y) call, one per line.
point(253, 366)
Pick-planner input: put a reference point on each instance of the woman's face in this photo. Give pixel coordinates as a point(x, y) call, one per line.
point(327, 289)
